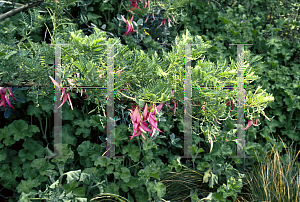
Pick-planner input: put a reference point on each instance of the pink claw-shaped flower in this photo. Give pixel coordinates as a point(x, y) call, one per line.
point(230, 103)
point(64, 95)
point(129, 25)
point(248, 125)
point(5, 97)
point(134, 4)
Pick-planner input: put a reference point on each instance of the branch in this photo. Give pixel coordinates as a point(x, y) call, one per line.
point(23, 84)
point(18, 10)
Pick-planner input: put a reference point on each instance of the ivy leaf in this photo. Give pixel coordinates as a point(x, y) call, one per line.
point(26, 186)
point(103, 162)
point(134, 153)
point(112, 188)
point(125, 175)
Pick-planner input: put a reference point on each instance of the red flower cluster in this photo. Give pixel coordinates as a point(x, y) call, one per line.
point(140, 126)
point(5, 96)
point(134, 5)
point(64, 95)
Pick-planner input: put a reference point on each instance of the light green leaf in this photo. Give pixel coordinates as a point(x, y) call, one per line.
point(27, 185)
point(140, 22)
point(125, 175)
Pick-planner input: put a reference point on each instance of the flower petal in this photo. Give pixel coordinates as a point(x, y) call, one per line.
point(131, 18)
point(232, 105)
point(248, 125)
point(124, 19)
point(2, 102)
point(70, 101)
point(11, 94)
point(136, 115)
point(55, 83)
point(8, 101)
point(145, 112)
point(146, 18)
point(144, 126)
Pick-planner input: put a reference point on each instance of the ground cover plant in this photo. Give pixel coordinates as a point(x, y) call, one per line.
point(235, 12)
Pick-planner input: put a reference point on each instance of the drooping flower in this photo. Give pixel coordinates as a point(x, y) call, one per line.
point(169, 22)
point(129, 25)
point(134, 5)
point(152, 120)
point(174, 107)
point(6, 97)
point(139, 126)
point(64, 95)
point(174, 19)
point(147, 4)
point(162, 22)
point(71, 82)
point(248, 125)
point(230, 103)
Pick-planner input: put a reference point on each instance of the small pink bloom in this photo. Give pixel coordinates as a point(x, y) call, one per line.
point(64, 95)
point(147, 4)
point(203, 108)
point(10, 93)
point(162, 22)
point(139, 126)
point(248, 125)
point(134, 4)
point(71, 82)
point(152, 120)
point(5, 97)
point(174, 19)
point(148, 16)
point(218, 121)
point(175, 105)
point(129, 25)
point(230, 103)
point(169, 22)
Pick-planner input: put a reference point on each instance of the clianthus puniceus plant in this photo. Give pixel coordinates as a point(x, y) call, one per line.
point(140, 126)
point(147, 92)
